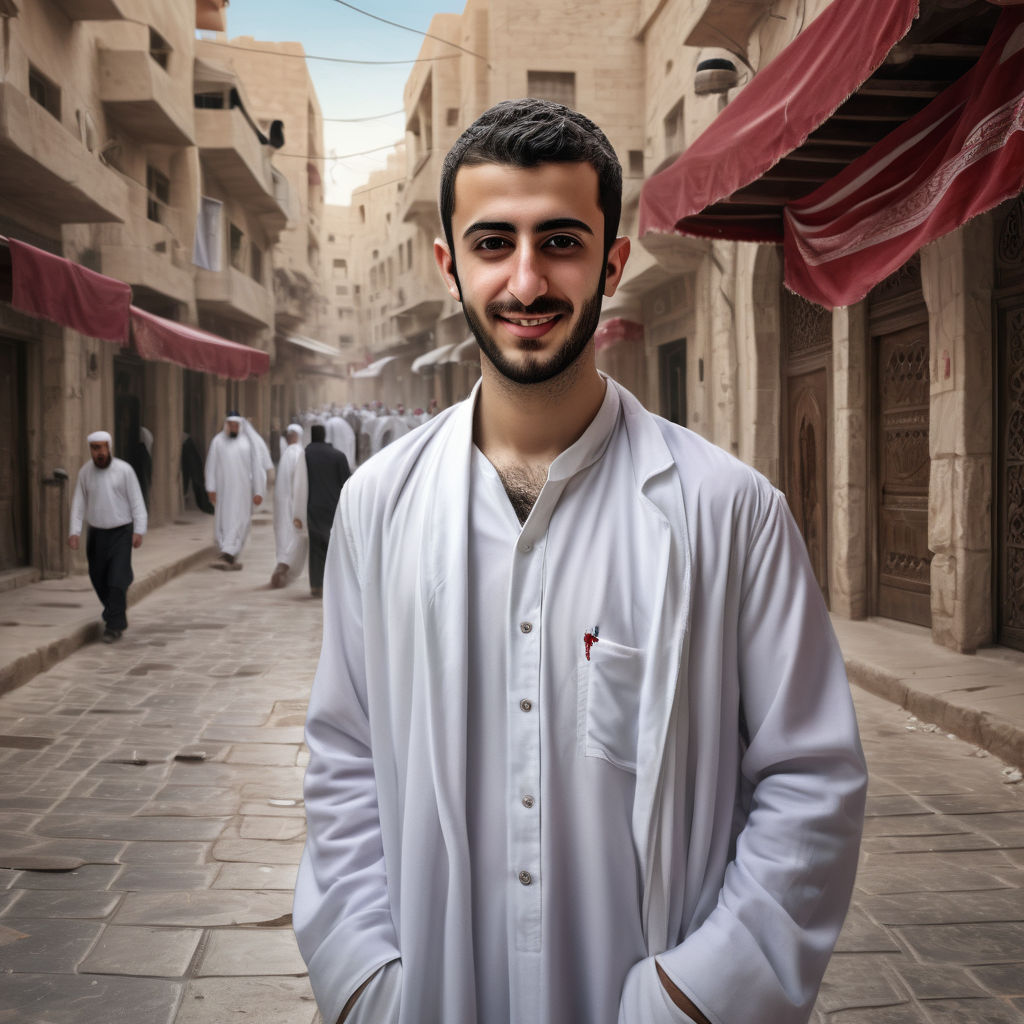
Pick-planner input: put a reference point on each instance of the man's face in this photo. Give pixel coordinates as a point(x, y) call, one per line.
point(100, 452)
point(530, 264)
point(293, 438)
point(232, 428)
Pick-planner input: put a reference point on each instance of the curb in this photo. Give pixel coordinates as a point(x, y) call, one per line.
point(999, 737)
point(21, 670)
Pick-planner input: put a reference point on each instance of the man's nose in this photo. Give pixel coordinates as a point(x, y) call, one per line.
point(527, 281)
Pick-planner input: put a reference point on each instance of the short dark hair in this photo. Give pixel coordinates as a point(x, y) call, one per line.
point(527, 133)
point(318, 432)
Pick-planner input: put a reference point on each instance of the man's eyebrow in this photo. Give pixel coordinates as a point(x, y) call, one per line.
point(555, 224)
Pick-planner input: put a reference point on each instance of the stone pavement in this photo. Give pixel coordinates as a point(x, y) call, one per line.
point(151, 815)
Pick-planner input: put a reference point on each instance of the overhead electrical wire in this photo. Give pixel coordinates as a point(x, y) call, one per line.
point(355, 120)
point(333, 60)
point(406, 28)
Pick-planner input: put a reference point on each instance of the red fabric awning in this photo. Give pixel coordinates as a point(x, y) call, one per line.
point(170, 342)
point(960, 156)
point(786, 101)
point(65, 292)
point(617, 329)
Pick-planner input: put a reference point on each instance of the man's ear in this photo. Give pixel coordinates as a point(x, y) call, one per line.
point(446, 264)
point(617, 256)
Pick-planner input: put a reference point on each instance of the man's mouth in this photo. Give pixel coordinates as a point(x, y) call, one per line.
point(530, 321)
point(529, 328)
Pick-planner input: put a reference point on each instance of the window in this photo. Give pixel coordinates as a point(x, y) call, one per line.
point(43, 91)
point(636, 163)
point(208, 101)
point(362, 214)
point(344, 339)
point(408, 253)
point(159, 48)
point(674, 129)
point(452, 117)
point(330, 238)
point(557, 86)
point(256, 262)
point(341, 312)
point(235, 238)
point(341, 264)
point(158, 194)
point(341, 289)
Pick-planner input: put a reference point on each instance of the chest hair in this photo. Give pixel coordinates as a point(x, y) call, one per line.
point(522, 485)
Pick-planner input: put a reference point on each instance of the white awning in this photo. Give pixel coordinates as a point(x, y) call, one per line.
point(467, 351)
point(311, 344)
point(435, 355)
point(374, 369)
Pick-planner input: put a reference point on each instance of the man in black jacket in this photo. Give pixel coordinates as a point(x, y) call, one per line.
point(317, 491)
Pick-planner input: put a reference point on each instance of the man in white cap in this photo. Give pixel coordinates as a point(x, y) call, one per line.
point(109, 499)
point(235, 481)
point(290, 541)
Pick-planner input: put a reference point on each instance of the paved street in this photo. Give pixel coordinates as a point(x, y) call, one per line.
point(151, 823)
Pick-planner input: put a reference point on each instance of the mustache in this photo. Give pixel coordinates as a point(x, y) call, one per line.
point(539, 307)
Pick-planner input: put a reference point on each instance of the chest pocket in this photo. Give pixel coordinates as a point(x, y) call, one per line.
point(608, 703)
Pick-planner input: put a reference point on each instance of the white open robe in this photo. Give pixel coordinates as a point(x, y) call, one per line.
point(289, 542)
point(750, 778)
point(234, 471)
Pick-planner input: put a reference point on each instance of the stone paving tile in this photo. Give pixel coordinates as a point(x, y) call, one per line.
point(207, 908)
point(894, 804)
point(863, 935)
point(269, 827)
point(290, 808)
point(150, 828)
point(256, 876)
point(71, 999)
point(858, 981)
point(165, 877)
point(927, 982)
point(943, 907)
point(188, 800)
point(990, 942)
point(263, 753)
point(887, 877)
point(89, 877)
point(44, 945)
point(973, 1011)
point(266, 1001)
point(187, 853)
point(145, 952)
point(64, 904)
point(927, 844)
point(1001, 979)
point(250, 952)
point(905, 1013)
point(262, 734)
point(913, 825)
point(258, 851)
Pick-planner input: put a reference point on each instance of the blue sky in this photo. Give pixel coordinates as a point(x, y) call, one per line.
point(329, 29)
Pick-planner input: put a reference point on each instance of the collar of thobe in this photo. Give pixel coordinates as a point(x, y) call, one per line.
point(441, 640)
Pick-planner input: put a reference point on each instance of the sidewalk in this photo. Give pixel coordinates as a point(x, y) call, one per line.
point(979, 698)
point(41, 623)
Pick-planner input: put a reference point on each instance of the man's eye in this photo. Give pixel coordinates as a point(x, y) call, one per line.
point(562, 242)
point(492, 244)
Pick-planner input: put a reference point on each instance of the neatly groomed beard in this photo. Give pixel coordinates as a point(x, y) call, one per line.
point(101, 461)
point(531, 370)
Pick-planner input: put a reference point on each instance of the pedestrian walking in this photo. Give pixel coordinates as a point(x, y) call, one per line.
point(319, 479)
point(192, 474)
point(235, 481)
point(290, 541)
point(109, 499)
point(342, 438)
point(581, 743)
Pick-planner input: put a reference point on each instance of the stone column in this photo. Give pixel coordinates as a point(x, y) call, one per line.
point(848, 569)
point(956, 276)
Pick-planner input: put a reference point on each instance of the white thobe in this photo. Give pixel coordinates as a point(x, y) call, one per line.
point(234, 472)
point(342, 437)
point(106, 498)
point(290, 542)
point(713, 717)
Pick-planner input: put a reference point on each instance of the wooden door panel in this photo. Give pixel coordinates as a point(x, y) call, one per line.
point(903, 577)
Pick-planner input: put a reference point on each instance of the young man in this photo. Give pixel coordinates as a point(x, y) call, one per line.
point(581, 743)
point(109, 499)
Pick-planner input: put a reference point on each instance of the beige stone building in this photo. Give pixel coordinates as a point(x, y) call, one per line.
point(109, 160)
point(893, 425)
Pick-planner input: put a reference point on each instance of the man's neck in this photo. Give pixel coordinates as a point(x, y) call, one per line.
point(532, 424)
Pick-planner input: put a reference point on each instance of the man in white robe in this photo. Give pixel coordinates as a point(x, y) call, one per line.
point(235, 481)
point(342, 437)
point(581, 742)
point(290, 541)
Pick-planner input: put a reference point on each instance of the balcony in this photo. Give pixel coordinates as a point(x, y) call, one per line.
point(138, 94)
point(421, 192)
point(234, 295)
point(92, 10)
point(229, 150)
point(294, 300)
point(416, 301)
point(47, 170)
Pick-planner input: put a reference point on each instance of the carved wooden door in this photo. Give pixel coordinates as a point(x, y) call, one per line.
point(903, 577)
point(1010, 482)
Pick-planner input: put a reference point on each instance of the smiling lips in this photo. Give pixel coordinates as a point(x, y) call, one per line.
point(530, 327)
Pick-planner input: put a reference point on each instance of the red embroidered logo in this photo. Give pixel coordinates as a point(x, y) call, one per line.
point(589, 639)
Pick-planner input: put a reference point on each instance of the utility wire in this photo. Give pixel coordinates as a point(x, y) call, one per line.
point(334, 60)
point(340, 156)
point(355, 120)
point(406, 28)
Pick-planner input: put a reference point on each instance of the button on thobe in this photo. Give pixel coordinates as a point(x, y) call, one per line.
point(554, 878)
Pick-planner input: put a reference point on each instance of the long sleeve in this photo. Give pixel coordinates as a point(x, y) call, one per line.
point(300, 490)
point(342, 913)
point(210, 473)
point(761, 952)
point(78, 503)
point(133, 492)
